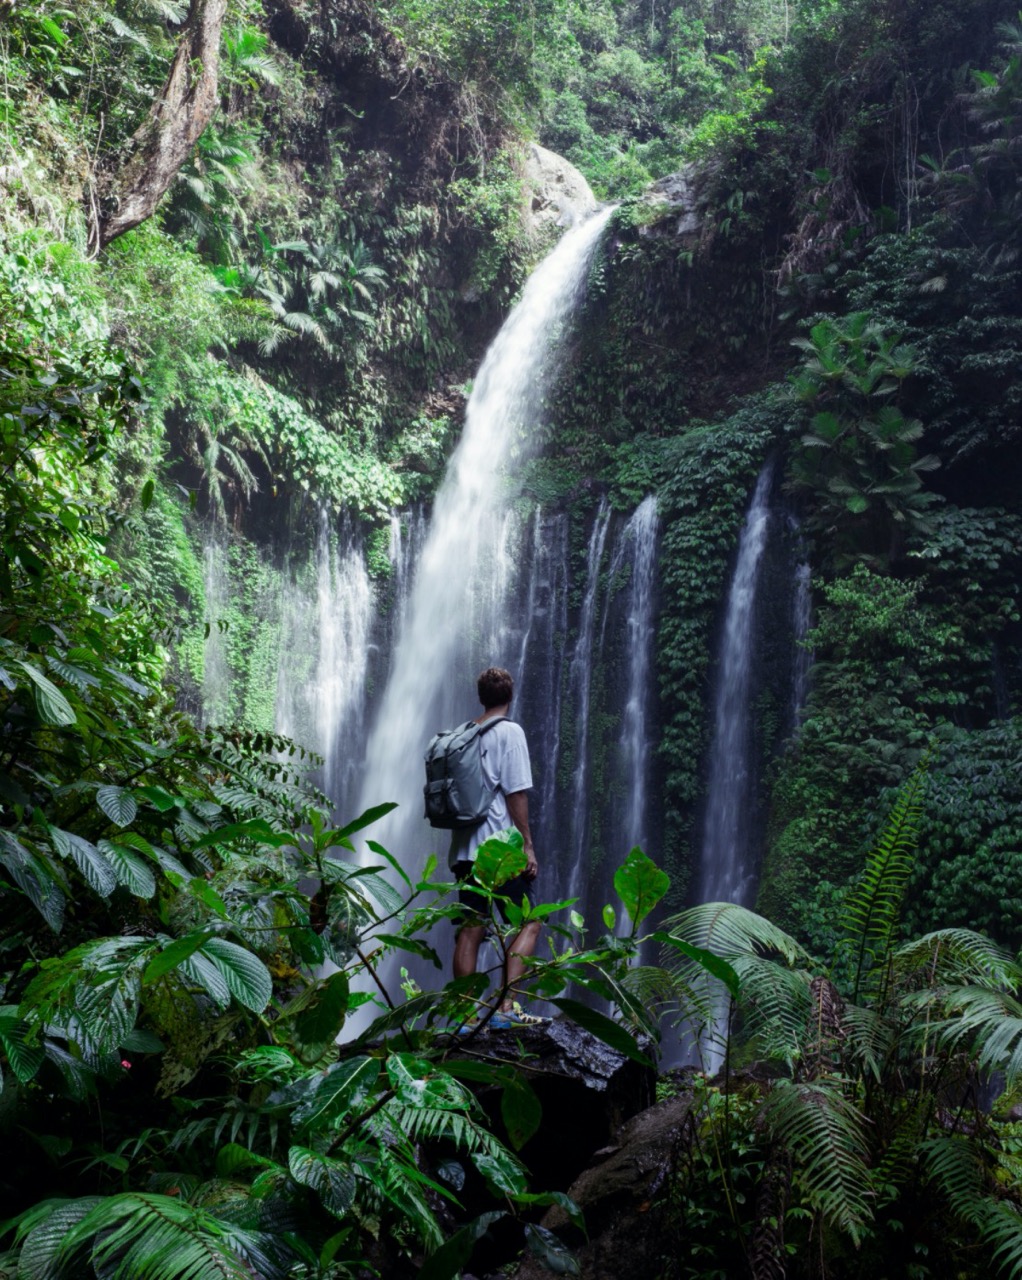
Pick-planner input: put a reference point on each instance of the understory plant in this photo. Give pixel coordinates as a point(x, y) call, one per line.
point(861, 1126)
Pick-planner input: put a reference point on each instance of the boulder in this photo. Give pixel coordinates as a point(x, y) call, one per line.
point(684, 195)
point(560, 194)
point(616, 1193)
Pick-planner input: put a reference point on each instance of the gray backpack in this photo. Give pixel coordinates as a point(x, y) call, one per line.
point(457, 795)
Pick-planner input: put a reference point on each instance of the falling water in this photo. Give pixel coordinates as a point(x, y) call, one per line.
point(215, 667)
point(726, 873)
point(801, 622)
point(579, 684)
point(642, 528)
point(458, 595)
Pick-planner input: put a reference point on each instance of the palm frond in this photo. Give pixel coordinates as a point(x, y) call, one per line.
point(824, 1134)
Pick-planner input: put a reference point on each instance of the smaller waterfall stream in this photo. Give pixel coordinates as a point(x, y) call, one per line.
point(634, 732)
point(726, 873)
point(579, 684)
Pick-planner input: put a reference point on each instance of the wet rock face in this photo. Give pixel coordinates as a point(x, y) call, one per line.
point(684, 194)
point(560, 194)
point(615, 1193)
point(587, 1091)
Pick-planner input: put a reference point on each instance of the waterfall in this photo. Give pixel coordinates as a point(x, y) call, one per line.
point(344, 601)
point(726, 870)
point(642, 529)
point(215, 666)
point(579, 684)
point(458, 608)
point(801, 623)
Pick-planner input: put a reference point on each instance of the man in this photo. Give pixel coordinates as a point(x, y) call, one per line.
point(506, 768)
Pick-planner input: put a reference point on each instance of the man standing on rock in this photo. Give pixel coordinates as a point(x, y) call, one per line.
point(506, 769)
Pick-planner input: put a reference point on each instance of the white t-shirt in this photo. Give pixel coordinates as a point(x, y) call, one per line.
point(506, 767)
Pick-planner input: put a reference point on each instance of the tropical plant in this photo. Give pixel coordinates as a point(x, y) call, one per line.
point(859, 460)
point(874, 1112)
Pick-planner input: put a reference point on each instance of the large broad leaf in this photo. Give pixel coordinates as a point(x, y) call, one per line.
point(502, 1170)
point(130, 870)
point(51, 704)
point(640, 884)
point(118, 804)
point(521, 1111)
point(713, 964)
point(173, 955)
point(318, 1025)
point(500, 859)
point(341, 1086)
point(87, 858)
point(599, 1025)
point(552, 1252)
point(332, 1180)
point(364, 820)
point(247, 978)
point(453, 1254)
point(25, 1059)
point(418, 1083)
point(255, 829)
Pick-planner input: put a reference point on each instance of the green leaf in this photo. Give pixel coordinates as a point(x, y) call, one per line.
point(413, 946)
point(418, 1083)
point(130, 870)
point(713, 964)
point(255, 829)
point(521, 1111)
point(161, 800)
point(551, 1251)
point(343, 1084)
point(87, 858)
point(499, 859)
point(173, 955)
point(502, 1170)
point(247, 978)
point(118, 804)
point(640, 884)
point(365, 819)
point(25, 1060)
point(609, 918)
point(317, 1026)
point(450, 1259)
point(51, 704)
point(148, 490)
point(333, 1180)
point(603, 1028)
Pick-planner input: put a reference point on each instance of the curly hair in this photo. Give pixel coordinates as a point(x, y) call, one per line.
point(495, 687)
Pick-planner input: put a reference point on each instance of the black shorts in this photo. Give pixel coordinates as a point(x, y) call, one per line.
point(478, 904)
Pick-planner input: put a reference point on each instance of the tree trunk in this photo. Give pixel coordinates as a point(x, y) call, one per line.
point(160, 146)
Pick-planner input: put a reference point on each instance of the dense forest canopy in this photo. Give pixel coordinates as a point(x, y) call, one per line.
point(251, 253)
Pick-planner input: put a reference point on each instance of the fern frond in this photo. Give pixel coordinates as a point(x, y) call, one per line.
point(872, 910)
point(990, 1024)
point(957, 956)
point(730, 930)
point(161, 1238)
point(775, 1007)
point(824, 1134)
point(951, 1163)
point(870, 1039)
point(1001, 1226)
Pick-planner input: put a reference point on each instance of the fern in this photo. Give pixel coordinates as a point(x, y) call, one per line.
point(731, 930)
point(825, 1135)
point(775, 1007)
point(872, 910)
point(140, 1234)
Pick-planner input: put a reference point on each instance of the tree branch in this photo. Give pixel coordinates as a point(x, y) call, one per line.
point(161, 145)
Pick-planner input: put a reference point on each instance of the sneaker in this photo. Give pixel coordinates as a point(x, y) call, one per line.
point(468, 1026)
point(505, 1019)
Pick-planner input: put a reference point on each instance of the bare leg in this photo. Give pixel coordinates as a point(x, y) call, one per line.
point(466, 949)
point(520, 949)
